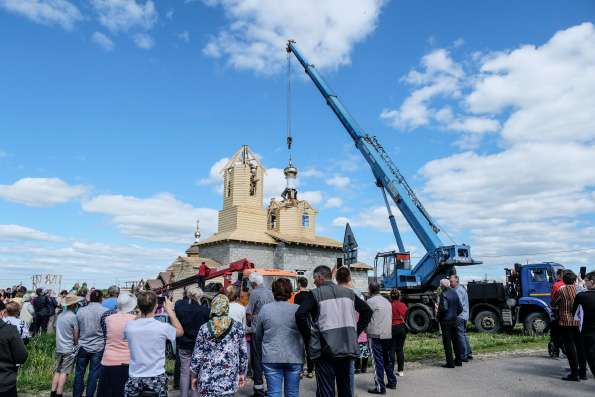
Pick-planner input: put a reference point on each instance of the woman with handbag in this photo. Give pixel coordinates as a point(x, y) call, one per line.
point(399, 329)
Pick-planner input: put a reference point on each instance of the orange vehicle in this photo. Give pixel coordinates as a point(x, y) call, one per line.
point(243, 268)
point(269, 275)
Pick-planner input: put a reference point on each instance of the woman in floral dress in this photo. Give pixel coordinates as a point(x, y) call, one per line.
point(220, 358)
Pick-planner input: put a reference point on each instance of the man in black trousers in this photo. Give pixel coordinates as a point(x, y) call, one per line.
point(586, 300)
point(332, 339)
point(449, 307)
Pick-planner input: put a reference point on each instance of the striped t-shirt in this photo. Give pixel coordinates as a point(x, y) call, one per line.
point(564, 299)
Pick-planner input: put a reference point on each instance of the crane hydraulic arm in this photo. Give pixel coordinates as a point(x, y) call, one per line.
point(237, 266)
point(439, 258)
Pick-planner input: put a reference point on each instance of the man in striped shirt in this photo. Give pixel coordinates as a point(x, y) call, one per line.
point(569, 328)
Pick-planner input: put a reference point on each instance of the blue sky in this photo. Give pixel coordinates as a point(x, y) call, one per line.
point(114, 113)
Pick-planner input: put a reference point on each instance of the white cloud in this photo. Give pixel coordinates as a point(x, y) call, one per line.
point(99, 264)
point(215, 174)
point(440, 77)
point(339, 181)
point(160, 218)
point(258, 30)
point(374, 218)
point(3, 154)
point(170, 14)
point(124, 15)
point(144, 41)
point(103, 41)
point(23, 233)
point(548, 88)
point(184, 36)
point(313, 197)
point(274, 183)
point(536, 193)
point(47, 12)
point(311, 172)
point(41, 192)
point(333, 202)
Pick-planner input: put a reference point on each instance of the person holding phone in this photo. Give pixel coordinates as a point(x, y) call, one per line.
point(146, 341)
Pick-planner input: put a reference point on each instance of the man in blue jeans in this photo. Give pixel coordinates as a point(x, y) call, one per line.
point(280, 343)
point(91, 344)
point(465, 346)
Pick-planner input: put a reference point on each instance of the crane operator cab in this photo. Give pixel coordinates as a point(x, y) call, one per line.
point(387, 264)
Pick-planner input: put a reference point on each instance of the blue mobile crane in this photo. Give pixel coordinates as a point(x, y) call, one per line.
point(418, 283)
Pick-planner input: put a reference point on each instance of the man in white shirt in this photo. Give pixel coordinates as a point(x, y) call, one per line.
point(147, 338)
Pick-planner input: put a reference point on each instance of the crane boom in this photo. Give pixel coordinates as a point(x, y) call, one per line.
point(389, 178)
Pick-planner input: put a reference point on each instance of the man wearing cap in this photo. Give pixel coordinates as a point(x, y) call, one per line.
point(259, 296)
point(116, 356)
point(67, 335)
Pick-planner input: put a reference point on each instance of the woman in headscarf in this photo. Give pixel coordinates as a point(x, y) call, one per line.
point(220, 357)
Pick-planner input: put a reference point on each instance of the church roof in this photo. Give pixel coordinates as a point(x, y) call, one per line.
point(317, 241)
point(244, 155)
point(190, 263)
point(239, 235)
point(360, 266)
point(193, 249)
point(271, 237)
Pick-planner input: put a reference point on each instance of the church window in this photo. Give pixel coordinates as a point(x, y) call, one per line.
point(228, 189)
point(273, 221)
point(305, 220)
point(253, 180)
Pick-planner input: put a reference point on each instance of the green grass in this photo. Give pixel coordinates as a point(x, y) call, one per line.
point(36, 374)
point(429, 346)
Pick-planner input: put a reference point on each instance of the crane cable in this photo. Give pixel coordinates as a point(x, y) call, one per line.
point(289, 138)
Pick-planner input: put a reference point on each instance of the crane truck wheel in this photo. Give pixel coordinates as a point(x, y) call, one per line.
point(418, 320)
point(536, 324)
point(487, 321)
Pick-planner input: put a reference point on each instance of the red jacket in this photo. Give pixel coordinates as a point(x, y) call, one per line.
point(556, 287)
point(203, 270)
point(399, 312)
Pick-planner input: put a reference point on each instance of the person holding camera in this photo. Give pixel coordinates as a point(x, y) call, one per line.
point(147, 338)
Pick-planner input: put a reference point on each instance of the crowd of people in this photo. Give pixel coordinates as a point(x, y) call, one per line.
point(573, 302)
point(116, 345)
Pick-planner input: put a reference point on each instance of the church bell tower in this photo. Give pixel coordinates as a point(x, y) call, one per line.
point(242, 193)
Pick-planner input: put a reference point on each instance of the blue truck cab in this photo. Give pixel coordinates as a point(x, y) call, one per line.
point(536, 281)
point(524, 298)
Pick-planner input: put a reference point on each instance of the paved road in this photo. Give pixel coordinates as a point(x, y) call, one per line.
point(520, 376)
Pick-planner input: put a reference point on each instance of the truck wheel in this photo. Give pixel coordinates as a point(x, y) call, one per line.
point(536, 324)
point(418, 320)
point(487, 321)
